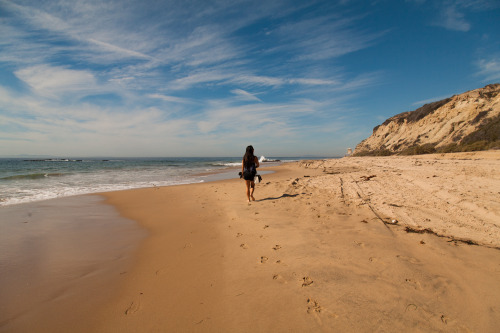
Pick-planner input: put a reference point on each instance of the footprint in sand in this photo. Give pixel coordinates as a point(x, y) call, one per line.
point(279, 278)
point(446, 320)
point(411, 307)
point(239, 234)
point(408, 259)
point(277, 247)
point(307, 281)
point(133, 308)
point(414, 284)
point(263, 259)
point(313, 306)
point(244, 246)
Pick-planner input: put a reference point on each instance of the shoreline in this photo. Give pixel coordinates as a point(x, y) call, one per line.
point(311, 254)
point(166, 176)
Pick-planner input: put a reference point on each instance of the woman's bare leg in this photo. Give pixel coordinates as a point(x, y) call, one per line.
point(252, 185)
point(247, 183)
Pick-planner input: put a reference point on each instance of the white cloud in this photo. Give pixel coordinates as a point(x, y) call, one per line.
point(245, 95)
point(205, 45)
point(46, 127)
point(80, 31)
point(314, 82)
point(197, 78)
point(146, 54)
point(119, 50)
point(430, 100)
point(452, 19)
point(258, 80)
point(51, 81)
point(273, 120)
point(110, 39)
point(324, 37)
point(489, 69)
point(207, 126)
point(37, 17)
point(452, 13)
point(171, 99)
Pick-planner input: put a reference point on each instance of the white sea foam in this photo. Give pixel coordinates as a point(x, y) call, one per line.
point(44, 193)
point(227, 164)
point(264, 159)
point(23, 181)
point(29, 181)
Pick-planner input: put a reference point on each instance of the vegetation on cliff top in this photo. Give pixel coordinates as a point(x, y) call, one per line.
point(485, 134)
point(485, 137)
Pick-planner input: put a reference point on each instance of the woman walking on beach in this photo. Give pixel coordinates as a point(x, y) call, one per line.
point(249, 167)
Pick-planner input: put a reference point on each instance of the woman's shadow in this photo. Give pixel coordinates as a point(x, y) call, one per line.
point(284, 195)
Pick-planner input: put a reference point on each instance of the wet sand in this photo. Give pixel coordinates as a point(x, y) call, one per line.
point(59, 260)
point(356, 244)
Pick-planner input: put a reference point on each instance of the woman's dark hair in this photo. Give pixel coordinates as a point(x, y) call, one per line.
point(248, 158)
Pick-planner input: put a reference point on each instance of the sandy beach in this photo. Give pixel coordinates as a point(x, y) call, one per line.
point(353, 244)
point(59, 260)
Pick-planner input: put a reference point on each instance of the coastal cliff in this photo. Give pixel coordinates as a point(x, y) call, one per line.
point(464, 122)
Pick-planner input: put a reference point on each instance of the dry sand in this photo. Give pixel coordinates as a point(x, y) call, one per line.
point(314, 254)
point(324, 248)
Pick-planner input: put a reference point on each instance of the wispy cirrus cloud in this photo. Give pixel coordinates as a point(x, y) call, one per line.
point(452, 18)
point(245, 95)
point(197, 78)
point(118, 50)
point(105, 41)
point(258, 80)
point(171, 99)
point(323, 37)
point(270, 119)
point(186, 72)
point(52, 81)
point(452, 14)
point(429, 100)
point(489, 68)
point(313, 82)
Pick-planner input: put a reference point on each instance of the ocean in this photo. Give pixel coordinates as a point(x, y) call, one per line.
point(25, 180)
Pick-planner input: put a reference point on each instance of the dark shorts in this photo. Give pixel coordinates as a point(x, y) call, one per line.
point(249, 175)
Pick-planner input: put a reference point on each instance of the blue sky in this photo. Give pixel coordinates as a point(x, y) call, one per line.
point(207, 78)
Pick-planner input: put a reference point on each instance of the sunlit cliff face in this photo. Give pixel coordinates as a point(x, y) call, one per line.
point(469, 121)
